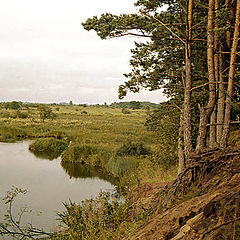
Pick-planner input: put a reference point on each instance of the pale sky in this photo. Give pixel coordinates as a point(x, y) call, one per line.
point(47, 56)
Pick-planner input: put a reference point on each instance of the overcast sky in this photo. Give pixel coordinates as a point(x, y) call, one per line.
point(46, 55)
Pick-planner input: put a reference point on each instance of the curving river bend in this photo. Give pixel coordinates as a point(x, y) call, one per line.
point(49, 183)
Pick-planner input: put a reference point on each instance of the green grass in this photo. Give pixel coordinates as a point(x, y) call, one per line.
point(101, 218)
point(48, 145)
point(97, 137)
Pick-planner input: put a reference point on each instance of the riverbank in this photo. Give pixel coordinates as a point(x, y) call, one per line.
point(98, 136)
point(202, 203)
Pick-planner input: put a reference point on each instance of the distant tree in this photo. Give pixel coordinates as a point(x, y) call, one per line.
point(13, 105)
point(135, 105)
point(45, 112)
point(83, 105)
point(105, 104)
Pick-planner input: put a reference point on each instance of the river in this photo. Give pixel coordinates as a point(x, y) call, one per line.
point(48, 183)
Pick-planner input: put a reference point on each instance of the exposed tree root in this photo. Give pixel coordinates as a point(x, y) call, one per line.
point(200, 165)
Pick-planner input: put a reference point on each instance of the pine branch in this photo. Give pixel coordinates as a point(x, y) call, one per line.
point(205, 84)
point(163, 24)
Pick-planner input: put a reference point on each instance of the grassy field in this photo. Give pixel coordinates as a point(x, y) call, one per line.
point(97, 135)
point(106, 126)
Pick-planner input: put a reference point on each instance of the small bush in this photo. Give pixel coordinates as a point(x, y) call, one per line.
point(21, 115)
point(14, 116)
point(8, 138)
point(125, 111)
point(46, 145)
point(133, 149)
point(84, 112)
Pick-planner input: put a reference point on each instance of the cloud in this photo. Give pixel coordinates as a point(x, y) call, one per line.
point(46, 55)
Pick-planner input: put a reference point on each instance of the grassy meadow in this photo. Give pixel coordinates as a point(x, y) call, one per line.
point(87, 125)
point(100, 136)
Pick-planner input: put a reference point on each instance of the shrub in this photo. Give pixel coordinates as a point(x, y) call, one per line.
point(13, 105)
point(46, 145)
point(125, 111)
point(21, 115)
point(133, 149)
point(45, 112)
point(84, 112)
point(8, 138)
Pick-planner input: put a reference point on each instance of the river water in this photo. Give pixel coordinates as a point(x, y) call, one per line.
point(49, 183)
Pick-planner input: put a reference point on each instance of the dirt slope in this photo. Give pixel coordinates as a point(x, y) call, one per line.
point(205, 207)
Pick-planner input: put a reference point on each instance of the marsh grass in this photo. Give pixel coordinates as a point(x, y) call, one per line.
point(86, 154)
point(104, 138)
point(101, 218)
point(119, 166)
point(48, 145)
point(7, 138)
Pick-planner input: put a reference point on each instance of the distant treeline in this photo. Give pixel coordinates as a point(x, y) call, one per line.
point(129, 105)
point(17, 105)
point(134, 105)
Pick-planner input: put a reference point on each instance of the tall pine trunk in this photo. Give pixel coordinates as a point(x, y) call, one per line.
point(181, 157)
point(223, 65)
point(231, 75)
point(206, 111)
point(213, 128)
point(221, 99)
point(188, 82)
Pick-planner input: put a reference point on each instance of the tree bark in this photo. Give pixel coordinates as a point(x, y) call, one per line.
point(205, 112)
point(213, 134)
point(181, 157)
point(231, 75)
point(228, 33)
point(221, 99)
point(188, 82)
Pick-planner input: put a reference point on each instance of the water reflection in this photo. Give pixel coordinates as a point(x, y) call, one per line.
point(45, 155)
point(47, 183)
point(78, 170)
